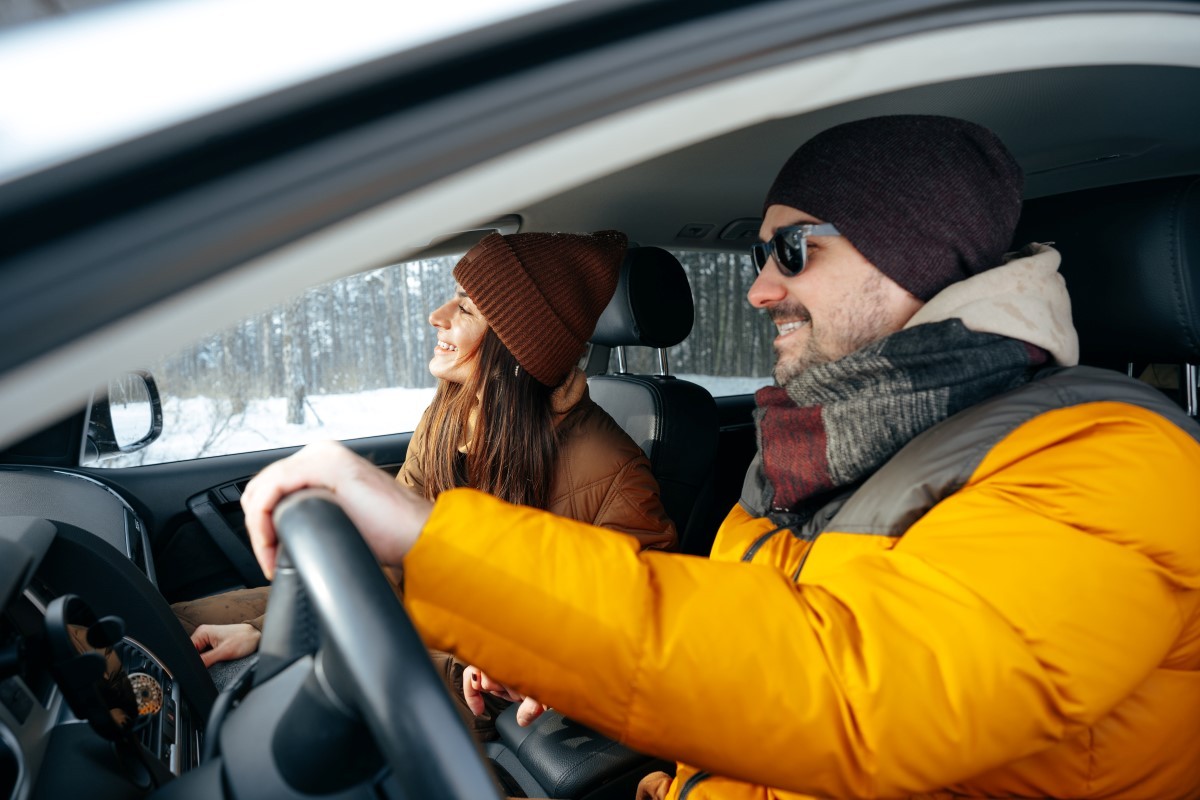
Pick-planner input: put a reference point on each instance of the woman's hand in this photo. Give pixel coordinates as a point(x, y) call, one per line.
point(654, 786)
point(476, 684)
point(388, 516)
point(218, 643)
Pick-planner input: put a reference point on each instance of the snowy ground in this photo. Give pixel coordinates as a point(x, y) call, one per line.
point(199, 427)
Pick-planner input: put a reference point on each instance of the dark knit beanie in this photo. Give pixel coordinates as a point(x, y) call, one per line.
point(543, 292)
point(928, 200)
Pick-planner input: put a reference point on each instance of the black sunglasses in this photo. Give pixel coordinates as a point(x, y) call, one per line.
point(790, 247)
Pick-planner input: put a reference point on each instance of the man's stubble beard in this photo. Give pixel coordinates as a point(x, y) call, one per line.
point(849, 327)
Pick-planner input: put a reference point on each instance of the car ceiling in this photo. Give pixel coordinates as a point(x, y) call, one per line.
point(1071, 128)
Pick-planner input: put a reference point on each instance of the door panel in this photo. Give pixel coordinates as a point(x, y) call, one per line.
point(183, 502)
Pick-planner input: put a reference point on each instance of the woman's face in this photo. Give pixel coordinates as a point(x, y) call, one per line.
point(460, 329)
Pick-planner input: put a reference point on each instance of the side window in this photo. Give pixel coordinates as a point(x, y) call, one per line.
point(729, 351)
point(345, 360)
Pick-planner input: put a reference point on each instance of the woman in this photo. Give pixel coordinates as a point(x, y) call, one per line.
point(511, 416)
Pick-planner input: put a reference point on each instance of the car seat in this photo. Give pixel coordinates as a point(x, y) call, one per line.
point(1128, 256)
point(674, 421)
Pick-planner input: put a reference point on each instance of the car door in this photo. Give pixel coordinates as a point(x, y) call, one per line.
point(197, 534)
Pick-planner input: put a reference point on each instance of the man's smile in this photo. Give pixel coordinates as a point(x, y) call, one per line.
point(788, 328)
point(788, 318)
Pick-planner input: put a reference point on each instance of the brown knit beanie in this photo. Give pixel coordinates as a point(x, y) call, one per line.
point(543, 292)
point(928, 200)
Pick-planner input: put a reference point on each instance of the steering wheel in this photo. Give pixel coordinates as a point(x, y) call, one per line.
point(369, 690)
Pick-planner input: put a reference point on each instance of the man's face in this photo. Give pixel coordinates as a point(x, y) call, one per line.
point(837, 305)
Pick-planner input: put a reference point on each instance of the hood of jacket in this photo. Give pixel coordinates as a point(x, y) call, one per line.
point(1025, 298)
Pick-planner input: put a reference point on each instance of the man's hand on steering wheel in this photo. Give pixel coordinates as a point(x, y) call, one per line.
point(388, 516)
point(328, 599)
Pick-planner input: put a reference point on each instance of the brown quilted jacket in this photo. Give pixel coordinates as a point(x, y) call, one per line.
point(602, 477)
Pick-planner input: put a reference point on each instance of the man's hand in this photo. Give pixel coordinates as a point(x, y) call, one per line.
point(654, 786)
point(476, 684)
point(218, 643)
point(388, 516)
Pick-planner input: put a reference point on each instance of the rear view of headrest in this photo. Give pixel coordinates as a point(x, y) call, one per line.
point(652, 306)
point(1131, 259)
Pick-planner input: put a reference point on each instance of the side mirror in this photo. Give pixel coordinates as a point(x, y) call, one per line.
point(123, 417)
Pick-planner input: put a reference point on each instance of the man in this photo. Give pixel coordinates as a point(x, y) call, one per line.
point(951, 570)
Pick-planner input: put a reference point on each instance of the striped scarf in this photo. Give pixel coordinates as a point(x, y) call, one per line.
point(835, 424)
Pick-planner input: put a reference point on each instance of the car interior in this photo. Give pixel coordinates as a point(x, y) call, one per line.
point(91, 558)
point(1136, 293)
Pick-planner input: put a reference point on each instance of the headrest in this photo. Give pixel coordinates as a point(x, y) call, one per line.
point(1131, 259)
point(652, 306)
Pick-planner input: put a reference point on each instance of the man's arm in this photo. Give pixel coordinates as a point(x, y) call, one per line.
point(1014, 614)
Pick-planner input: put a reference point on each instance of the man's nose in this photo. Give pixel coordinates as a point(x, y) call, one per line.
point(768, 288)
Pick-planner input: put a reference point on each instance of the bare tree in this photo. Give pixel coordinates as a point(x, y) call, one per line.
point(294, 357)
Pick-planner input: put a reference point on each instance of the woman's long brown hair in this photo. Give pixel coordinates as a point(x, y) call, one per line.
point(513, 447)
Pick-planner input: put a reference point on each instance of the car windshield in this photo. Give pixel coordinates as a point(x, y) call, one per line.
point(77, 84)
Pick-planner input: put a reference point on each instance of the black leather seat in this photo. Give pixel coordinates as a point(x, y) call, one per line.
point(673, 420)
point(1130, 257)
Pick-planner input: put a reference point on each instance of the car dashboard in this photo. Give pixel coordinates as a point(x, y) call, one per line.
point(68, 541)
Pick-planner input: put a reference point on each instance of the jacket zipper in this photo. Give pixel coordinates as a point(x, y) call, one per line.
point(691, 782)
point(754, 547)
point(757, 544)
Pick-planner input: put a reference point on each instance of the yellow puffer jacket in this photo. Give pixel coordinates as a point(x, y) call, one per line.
point(1034, 633)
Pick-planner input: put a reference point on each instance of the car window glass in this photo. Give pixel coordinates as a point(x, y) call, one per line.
point(344, 360)
point(729, 351)
point(350, 358)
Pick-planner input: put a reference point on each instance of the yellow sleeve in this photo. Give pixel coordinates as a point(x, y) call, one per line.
point(1023, 606)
